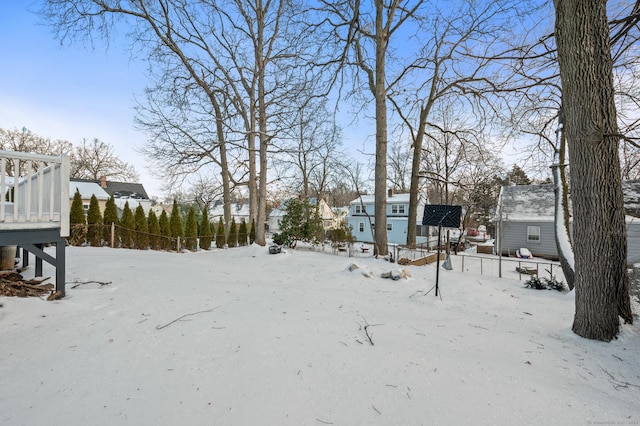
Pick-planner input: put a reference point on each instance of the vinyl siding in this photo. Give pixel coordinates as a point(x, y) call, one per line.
point(514, 236)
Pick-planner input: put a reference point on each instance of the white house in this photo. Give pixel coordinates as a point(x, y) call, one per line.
point(239, 212)
point(361, 218)
point(87, 190)
point(122, 192)
point(330, 218)
point(275, 219)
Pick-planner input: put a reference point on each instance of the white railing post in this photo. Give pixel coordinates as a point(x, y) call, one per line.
point(25, 179)
point(64, 195)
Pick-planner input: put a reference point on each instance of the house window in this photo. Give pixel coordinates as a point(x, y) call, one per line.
point(360, 226)
point(397, 208)
point(389, 227)
point(533, 234)
point(360, 209)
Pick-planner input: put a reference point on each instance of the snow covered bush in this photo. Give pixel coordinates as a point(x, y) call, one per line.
point(538, 283)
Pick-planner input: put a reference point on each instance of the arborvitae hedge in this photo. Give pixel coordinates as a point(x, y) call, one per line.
point(111, 216)
point(252, 232)
point(94, 223)
point(165, 231)
point(175, 223)
point(77, 220)
point(233, 234)
point(191, 234)
point(220, 240)
point(142, 229)
point(127, 227)
point(242, 234)
point(205, 231)
point(154, 231)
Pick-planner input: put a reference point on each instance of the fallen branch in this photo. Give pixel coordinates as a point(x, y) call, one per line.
point(617, 384)
point(79, 283)
point(366, 330)
point(14, 285)
point(160, 327)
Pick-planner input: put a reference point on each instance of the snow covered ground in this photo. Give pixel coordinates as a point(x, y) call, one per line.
point(242, 337)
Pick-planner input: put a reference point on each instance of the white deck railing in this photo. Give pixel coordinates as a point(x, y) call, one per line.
point(34, 191)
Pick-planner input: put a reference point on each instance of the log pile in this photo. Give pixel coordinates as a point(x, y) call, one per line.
point(14, 285)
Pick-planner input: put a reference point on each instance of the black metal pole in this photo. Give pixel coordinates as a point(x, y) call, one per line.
point(438, 259)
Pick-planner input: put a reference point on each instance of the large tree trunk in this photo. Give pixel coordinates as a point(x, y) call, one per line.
point(224, 166)
point(415, 179)
point(261, 217)
point(380, 208)
point(253, 174)
point(600, 246)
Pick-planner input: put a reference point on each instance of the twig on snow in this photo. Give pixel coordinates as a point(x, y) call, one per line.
point(79, 283)
point(617, 384)
point(417, 291)
point(366, 329)
point(323, 422)
point(160, 327)
point(374, 407)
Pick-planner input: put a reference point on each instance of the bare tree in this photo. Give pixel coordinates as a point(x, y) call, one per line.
point(461, 50)
point(310, 148)
point(251, 46)
point(586, 71)
point(95, 158)
point(186, 124)
point(364, 34)
point(399, 166)
point(25, 140)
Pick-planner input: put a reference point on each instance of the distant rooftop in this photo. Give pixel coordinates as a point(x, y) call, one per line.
point(119, 189)
point(528, 202)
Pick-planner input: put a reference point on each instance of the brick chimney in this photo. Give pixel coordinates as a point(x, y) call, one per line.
point(103, 181)
point(390, 192)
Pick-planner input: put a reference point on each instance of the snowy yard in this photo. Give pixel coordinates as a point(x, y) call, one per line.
point(242, 337)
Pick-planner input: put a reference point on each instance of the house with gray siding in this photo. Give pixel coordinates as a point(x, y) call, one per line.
point(361, 218)
point(525, 218)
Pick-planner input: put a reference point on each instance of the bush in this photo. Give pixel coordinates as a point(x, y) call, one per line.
point(127, 227)
point(281, 238)
point(233, 234)
point(252, 232)
point(175, 222)
point(220, 240)
point(111, 217)
point(205, 231)
point(165, 231)
point(341, 235)
point(538, 283)
point(154, 231)
point(302, 222)
point(142, 229)
point(242, 234)
point(191, 235)
point(554, 284)
point(94, 223)
point(78, 221)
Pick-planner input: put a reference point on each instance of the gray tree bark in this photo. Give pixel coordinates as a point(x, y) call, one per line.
point(600, 246)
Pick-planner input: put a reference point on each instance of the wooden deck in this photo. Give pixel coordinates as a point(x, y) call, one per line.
point(34, 207)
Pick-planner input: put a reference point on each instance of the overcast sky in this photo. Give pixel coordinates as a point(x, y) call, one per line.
point(68, 92)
